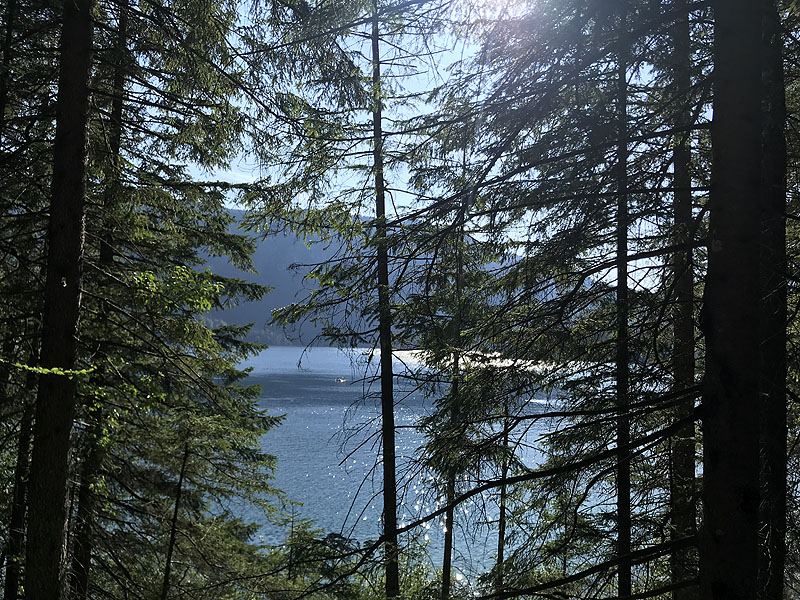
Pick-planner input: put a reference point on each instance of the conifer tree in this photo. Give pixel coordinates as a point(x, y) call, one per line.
point(773, 310)
point(730, 314)
point(682, 454)
point(56, 396)
point(546, 169)
point(622, 351)
point(384, 324)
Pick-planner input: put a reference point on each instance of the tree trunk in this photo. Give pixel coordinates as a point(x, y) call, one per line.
point(447, 555)
point(92, 464)
point(622, 351)
point(16, 529)
point(173, 528)
point(454, 399)
point(385, 329)
point(85, 518)
point(683, 516)
point(55, 403)
point(112, 177)
point(730, 315)
point(773, 312)
point(5, 67)
point(501, 518)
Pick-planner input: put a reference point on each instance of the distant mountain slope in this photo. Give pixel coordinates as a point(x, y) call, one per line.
point(273, 257)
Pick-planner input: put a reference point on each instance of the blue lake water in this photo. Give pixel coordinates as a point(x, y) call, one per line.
point(328, 450)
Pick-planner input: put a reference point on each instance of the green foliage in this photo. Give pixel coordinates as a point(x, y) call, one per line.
point(502, 247)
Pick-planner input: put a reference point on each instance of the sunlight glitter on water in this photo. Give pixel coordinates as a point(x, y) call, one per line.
point(328, 447)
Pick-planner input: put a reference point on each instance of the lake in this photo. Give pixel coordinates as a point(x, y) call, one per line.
point(328, 449)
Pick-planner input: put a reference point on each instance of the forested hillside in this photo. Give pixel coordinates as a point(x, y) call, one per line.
point(280, 262)
point(591, 202)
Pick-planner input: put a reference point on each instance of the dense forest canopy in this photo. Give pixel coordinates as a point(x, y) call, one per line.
point(578, 215)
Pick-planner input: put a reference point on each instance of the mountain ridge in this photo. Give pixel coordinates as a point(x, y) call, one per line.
point(274, 256)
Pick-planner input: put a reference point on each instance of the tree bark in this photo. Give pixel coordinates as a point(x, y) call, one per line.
point(5, 67)
point(384, 328)
point(85, 518)
point(92, 464)
point(55, 403)
point(454, 399)
point(731, 313)
point(773, 312)
point(112, 177)
point(447, 554)
point(622, 350)
point(499, 582)
point(16, 529)
point(683, 517)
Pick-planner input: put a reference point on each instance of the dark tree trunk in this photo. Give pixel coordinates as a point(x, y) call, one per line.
point(501, 518)
point(5, 66)
point(92, 464)
point(447, 556)
point(112, 176)
point(622, 352)
point(454, 400)
point(16, 529)
point(682, 487)
point(173, 527)
point(385, 330)
point(84, 520)
point(773, 312)
point(55, 403)
point(731, 312)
